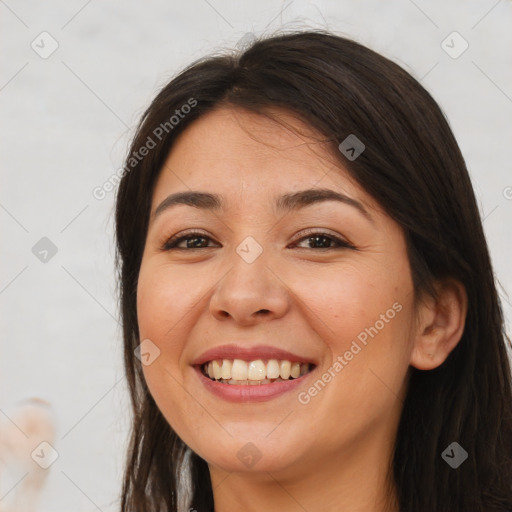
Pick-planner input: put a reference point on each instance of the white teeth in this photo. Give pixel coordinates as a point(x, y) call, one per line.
point(226, 369)
point(217, 369)
point(273, 369)
point(240, 372)
point(285, 369)
point(295, 370)
point(257, 370)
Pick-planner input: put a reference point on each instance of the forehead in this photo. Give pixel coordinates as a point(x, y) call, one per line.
point(234, 151)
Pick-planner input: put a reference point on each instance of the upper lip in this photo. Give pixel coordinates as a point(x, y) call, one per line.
point(249, 354)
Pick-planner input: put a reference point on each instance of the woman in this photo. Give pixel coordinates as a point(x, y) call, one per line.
point(309, 311)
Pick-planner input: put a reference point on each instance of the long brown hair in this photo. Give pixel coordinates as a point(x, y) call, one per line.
point(413, 167)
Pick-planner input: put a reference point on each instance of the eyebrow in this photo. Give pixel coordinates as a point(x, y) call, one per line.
point(285, 203)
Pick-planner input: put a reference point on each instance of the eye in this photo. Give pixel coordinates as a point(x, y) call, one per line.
point(324, 240)
point(199, 240)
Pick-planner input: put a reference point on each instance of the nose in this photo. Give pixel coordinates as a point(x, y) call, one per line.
point(250, 293)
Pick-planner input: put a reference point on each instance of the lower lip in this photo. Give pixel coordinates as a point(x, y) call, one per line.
point(248, 392)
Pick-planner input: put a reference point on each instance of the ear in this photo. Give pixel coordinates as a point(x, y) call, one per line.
point(440, 324)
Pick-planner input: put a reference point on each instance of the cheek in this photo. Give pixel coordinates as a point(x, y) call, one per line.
point(162, 307)
point(364, 317)
point(343, 302)
point(371, 329)
point(163, 300)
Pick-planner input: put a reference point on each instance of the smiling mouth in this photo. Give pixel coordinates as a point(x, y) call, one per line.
point(254, 373)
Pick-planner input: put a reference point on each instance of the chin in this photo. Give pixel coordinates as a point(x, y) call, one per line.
point(251, 456)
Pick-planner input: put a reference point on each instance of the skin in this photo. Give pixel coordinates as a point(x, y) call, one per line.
point(332, 453)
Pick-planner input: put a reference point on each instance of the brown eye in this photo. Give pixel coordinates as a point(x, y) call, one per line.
point(322, 240)
point(194, 240)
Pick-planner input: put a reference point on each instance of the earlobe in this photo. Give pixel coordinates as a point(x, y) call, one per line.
point(440, 325)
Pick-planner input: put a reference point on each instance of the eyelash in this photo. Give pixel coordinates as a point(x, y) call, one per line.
point(171, 243)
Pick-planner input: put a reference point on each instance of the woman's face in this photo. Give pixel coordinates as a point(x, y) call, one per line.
point(274, 276)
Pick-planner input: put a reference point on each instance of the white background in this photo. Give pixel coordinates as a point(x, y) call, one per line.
point(65, 125)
